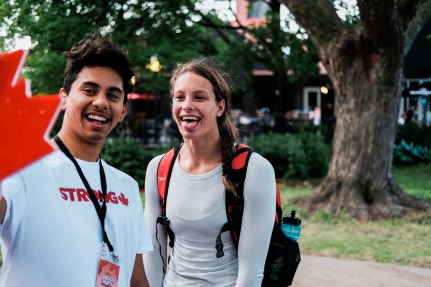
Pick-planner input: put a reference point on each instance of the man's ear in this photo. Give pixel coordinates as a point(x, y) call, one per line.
point(63, 97)
point(124, 111)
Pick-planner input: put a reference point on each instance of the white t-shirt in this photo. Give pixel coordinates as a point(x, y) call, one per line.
point(196, 210)
point(51, 234)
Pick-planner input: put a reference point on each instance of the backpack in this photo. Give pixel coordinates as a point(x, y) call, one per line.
point(283, 255)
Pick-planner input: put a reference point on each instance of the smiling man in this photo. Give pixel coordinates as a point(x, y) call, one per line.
point(70, 219)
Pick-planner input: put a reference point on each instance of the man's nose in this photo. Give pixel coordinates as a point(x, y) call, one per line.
point(100, 101)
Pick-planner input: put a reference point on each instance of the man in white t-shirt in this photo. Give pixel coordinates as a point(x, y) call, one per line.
point(70, 219)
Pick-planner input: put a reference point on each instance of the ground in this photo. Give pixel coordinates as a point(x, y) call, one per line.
point(331, 272)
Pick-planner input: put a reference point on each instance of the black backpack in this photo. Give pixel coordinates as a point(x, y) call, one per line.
point(283, 255)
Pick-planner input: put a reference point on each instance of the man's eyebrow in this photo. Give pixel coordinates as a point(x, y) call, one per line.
point(115, 89)
point(91, 84)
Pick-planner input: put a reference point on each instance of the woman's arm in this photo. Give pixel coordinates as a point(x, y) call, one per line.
point(258, 221)
point(153, 263)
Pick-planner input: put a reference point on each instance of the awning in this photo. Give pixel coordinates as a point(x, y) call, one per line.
point(145, 97)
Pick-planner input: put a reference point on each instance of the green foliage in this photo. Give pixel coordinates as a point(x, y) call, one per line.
point(303, 59)
point(53, 28)
point(409, 154)
point(300, 156)
point(129, 156)
point(412, 144)
point(317, 154)
point(414, 134)
point(143, 28)
point(326, 130)
point(174, 31)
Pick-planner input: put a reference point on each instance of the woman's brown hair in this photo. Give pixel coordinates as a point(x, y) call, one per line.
point(206, 67)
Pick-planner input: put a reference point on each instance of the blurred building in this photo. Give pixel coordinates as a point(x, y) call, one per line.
point(417, 82)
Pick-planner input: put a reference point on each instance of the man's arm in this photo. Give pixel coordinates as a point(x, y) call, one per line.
point(139, 278)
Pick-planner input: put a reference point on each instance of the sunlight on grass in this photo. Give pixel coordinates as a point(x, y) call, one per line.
point(415, 180)
point(395, 241)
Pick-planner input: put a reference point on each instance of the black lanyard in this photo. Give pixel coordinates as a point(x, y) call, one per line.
point(101, 210)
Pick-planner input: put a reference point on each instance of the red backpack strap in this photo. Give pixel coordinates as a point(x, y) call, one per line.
point(241, 161)
point(164, 171)
point(235, 203)
point(278, 208)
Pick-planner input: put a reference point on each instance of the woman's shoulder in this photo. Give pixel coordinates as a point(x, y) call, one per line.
point(154, 162)
point(259, 163)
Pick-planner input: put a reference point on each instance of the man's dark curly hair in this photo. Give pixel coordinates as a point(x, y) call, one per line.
point(94, 50)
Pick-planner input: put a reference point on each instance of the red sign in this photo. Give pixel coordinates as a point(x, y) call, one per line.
point(25, 121)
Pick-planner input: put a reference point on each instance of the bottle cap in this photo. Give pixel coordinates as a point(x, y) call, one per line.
point(292, 219)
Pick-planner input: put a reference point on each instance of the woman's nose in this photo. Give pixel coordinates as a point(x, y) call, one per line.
point(188, 104)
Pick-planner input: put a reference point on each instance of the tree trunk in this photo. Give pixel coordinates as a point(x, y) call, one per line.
point(359, 180)
point(364, 64)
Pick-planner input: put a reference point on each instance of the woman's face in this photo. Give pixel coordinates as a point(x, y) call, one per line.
point(194, 107)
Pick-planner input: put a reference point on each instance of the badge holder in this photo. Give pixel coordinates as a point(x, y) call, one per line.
point(108, 272)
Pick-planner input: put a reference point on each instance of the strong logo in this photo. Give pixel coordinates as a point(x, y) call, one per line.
point(81, 195)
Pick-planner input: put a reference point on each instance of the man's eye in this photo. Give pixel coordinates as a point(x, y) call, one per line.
point(114, 96)
point(89, 91)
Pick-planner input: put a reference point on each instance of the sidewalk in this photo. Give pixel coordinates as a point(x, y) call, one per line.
point(318, 271)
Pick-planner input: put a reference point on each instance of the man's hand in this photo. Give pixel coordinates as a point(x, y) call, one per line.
point(25, 121)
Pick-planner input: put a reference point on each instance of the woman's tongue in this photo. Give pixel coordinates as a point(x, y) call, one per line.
point(189, 124)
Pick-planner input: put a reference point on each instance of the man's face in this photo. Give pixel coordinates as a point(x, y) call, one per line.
point(94, 105)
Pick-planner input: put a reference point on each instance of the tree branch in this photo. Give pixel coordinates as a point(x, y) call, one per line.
point(221, 29)
point(421, 17)
point(406, 10)
point(318, 18)
point(377, 20)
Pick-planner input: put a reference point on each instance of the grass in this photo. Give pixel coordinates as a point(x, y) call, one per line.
point(415, 180)
point(394, 241)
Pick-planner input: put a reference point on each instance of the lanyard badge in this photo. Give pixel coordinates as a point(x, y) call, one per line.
point(107, 274)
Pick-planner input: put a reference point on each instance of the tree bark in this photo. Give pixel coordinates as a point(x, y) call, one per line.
point(365, 67)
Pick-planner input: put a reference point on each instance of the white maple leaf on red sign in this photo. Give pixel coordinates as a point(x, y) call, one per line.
point(25, 120)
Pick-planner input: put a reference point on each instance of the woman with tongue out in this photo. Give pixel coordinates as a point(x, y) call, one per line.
point(195, 207)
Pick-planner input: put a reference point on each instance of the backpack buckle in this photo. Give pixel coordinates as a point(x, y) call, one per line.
point(163, 220)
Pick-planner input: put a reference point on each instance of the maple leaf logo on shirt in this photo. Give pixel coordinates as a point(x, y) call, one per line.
point(122, 198)
point(25, 121)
